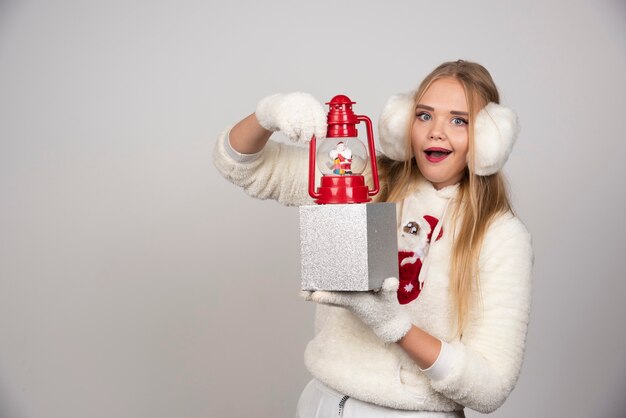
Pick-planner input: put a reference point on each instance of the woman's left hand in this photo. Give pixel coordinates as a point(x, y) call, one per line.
point(379, 309)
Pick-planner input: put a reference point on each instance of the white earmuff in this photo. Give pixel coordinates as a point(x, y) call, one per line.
point(393, 126)
point(495, 131)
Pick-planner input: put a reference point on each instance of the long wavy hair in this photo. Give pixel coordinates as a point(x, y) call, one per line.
point(480, 198)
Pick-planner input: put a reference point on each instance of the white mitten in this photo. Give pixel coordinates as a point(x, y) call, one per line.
point(297, 115)
point(378, 310)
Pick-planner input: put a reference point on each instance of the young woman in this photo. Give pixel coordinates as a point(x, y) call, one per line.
point(449, 332)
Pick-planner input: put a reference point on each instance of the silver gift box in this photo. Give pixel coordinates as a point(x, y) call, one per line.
point(348, 247)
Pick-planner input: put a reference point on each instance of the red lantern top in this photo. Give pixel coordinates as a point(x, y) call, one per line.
point(341, 119)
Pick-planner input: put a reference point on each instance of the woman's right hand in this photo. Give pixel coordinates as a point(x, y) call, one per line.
point(297, 115)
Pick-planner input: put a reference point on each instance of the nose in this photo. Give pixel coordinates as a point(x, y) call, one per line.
point(436, 131)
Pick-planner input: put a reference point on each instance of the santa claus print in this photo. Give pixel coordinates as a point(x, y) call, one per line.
point(413, 241)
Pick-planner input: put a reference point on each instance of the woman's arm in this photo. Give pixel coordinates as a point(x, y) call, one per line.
point(267, 169)
point(422, 347)
point(278, 171)
point(481, 369)
point(248, 136)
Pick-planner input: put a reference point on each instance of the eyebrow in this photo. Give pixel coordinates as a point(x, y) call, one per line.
point(452, 112)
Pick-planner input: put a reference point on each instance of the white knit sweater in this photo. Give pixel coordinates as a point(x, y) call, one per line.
point(477, 370)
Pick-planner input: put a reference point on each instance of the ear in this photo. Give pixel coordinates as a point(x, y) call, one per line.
point(495, 131)
point(393, 126)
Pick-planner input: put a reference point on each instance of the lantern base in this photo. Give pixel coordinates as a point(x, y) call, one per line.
point(343, 189)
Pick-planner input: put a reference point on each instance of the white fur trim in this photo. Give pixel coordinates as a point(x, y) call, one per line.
point(495, 132)
point(393, 124)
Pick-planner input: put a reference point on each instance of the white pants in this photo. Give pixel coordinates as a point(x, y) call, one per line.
point(319, 401)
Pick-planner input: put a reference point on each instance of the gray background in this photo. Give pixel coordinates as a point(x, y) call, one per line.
point(136, 282)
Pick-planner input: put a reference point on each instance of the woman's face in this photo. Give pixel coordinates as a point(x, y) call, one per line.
point(439, 135)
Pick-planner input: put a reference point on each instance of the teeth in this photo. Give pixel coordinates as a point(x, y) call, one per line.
point(438, 153)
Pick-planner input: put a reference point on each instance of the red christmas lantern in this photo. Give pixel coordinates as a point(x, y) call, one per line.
point(342, 157)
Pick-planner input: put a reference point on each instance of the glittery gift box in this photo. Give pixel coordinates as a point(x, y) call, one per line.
point(348, 247)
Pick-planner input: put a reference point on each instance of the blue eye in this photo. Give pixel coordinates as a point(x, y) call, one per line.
point(423, 116)
point(459, 121)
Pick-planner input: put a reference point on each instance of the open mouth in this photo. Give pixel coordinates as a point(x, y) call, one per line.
point(436, 154)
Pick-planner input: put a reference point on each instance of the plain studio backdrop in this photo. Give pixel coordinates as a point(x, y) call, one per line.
point(136, 282)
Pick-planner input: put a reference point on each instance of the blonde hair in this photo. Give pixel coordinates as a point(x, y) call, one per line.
point(480, 198)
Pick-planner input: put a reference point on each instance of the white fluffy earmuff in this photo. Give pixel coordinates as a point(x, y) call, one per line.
point(495, 131)
point(393, 126)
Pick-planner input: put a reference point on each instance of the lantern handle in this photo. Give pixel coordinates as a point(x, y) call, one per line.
point(312, 153)
point(370, 143)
